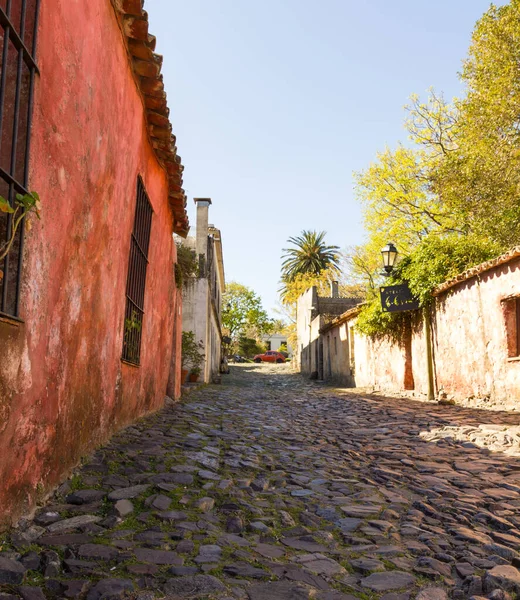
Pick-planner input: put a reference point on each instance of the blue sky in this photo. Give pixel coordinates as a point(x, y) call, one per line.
point(276, 103)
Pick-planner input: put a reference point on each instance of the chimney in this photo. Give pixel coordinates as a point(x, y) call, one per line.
point(334, 289)
point(202, 225)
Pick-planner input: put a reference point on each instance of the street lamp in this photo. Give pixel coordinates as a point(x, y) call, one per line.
point(389, 253)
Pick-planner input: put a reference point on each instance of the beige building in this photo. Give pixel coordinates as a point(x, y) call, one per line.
point(202, 294)
point(314, 353)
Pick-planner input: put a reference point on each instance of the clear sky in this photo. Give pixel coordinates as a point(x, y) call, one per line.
point(275, 103)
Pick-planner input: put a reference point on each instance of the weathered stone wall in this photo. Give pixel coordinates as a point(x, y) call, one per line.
point(63, 387)
point(471, 342)
point(474, 345)
point(336, 347)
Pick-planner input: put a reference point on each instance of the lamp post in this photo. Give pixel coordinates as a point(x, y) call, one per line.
point(389, 253)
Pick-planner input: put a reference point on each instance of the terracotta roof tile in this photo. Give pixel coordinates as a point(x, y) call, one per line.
point(146, 66)
point(478, 270)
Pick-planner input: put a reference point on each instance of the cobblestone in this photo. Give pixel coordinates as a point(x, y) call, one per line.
point(270, 486)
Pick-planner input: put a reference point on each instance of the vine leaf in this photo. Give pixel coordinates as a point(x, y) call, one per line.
point(5, 206)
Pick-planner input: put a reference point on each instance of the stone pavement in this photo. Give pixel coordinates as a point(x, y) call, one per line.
point(269, 487)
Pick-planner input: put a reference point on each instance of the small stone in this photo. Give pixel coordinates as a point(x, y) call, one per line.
point(320, 564)
point(259, 526)
point(172, 515)
point(97, 551)
point(205, 504)
point(31, 593)
point(502, 577)
point(234, 525)
point(209, 553)
point(464, 569)
point(31, 561)
point(183, 571)
point(74, 588)
point(245, 570)
point(11, 571)
point(85, 496)
point(72, 523)
point(208, 475)
point(158, 557)
point(361, 510)
point(139, 569)
point(269, 551)
point(110, 589)
point(287, 519)
point(128, 492)
point(388, 580)
point(367, 565)
point(185, 547)
point(432, 593)
point(302, 493)
point(161, 502)
point(123, 507)
point(280, 590)
point(194, 587)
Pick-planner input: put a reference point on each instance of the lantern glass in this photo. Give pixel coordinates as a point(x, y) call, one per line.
point(389, 253)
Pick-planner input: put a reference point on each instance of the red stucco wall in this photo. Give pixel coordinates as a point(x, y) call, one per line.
point(63, 388)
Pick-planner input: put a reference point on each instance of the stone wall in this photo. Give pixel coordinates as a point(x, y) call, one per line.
point(475, 326)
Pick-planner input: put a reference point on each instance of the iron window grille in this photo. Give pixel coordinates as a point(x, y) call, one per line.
point(136, 282)
point(18, 27)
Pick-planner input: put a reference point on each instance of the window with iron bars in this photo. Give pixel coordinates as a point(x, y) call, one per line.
point(136, 282)
point(18, 26)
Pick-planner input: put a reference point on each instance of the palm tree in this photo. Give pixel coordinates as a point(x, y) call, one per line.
point(310, 255)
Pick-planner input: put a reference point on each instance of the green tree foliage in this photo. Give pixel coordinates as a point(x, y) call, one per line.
point(243, 314)
point(309, 255)
point(248, 347)
point(451, 199)
point(435, 260)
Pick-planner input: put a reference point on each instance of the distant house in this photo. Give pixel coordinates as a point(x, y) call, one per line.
point(89, 311)
point(275, 340)
point(202, 294)
point(314, 312)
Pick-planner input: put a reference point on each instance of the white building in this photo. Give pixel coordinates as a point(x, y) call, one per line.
point(274, 341)
point(202, 294)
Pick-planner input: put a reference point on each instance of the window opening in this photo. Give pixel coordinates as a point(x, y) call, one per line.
point(18, 26)
point(136, 282)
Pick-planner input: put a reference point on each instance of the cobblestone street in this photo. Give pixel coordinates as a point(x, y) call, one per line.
point(270, 487)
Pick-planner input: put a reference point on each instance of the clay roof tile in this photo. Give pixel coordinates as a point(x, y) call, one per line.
point(147, 66)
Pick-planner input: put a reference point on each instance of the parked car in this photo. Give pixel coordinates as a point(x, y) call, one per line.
point(270, 356)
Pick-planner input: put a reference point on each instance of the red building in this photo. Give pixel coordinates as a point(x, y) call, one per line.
point(89, 311)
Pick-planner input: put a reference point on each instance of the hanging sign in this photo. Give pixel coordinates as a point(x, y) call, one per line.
point(397, 298)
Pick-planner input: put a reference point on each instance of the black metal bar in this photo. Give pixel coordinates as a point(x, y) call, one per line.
point(145, 256)
point(14, 144)
point(8, 178)
point(5, 278)
point(22, 21)
point(5, 54)
point(17, 41)
point(35, 34)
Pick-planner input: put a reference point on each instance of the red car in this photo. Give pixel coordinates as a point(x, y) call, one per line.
point(270, 356)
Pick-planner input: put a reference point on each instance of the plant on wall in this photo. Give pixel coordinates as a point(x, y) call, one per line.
point(24, 205)
point(186, 265)
point(192, 355)
point(133, 327)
